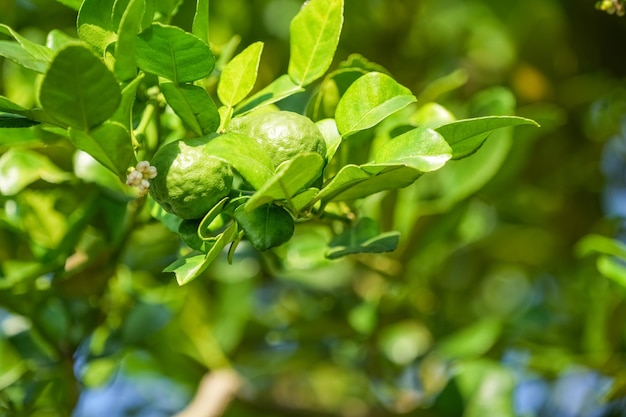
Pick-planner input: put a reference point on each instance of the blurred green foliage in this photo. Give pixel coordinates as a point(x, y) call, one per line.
point(486, 308)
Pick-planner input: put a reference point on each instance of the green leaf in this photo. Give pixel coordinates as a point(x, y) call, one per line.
point(362, 237)
point(189, 267)
point(204, 231)
point(467, 136)
point(328, 128)
point(109, 144)
point(472, 341)
point(124, 112)
point(420, 148)
point(172, 53)
point(12, 121)
point(200, 25)
point(21, 167)
point(612, 268)
point(95, 23)
point(353, 182)
point(282, 87)
point(125, 50)
point(314, 35)
point(239, 75)
point(324, 102)
point(266, 226)
point(78, 89)
point(597, 244)
point(291, 176)
point(25, 52)
point(244, 154)
point(369, 100)
point(193, 105)
point(8, 106)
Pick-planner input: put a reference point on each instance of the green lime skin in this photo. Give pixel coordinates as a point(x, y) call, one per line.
point(283, 134)
point(190, 181)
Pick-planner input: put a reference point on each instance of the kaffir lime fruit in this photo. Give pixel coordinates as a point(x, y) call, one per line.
point(283, 134)
point(190, 180)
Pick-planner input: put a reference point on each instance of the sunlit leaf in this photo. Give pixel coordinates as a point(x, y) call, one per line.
point(78, 89)
point(239, 75)
point(95, 24)
point(314, 35)
point(369, 100)
point(421, 148)
point(125, 50)
point(172, 53)
point(467, 136)
point(200, 26)
point(21, 167)
point(25, 52)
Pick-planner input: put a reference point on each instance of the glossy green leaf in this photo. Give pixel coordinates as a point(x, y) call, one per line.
point(291, 176)
point(244, 154)
point(282, 87)
point(239, 75)
point(193, 105)
point(420, 148)
point(467, 136)
point(189, 267)
point(172, 53)
point(109, 144)
point(314, 35)
point(21, 167)
point(362, 237)
point(324, 102)
point(200, 25)
point(25, 52)
point(95, 23)
point(78, 89)
point(266, 226)
point(369, 100)
point(353, 181)
point(125, 50)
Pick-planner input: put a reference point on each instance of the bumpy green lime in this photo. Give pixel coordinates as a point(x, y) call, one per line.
point(190, 181)
point(283, 134)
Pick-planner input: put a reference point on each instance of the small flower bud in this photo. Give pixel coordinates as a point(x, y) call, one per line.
point(134, 178)
point(142, 166)
point(151, 172)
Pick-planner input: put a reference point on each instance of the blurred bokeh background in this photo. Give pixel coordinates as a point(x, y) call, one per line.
point(505, 298)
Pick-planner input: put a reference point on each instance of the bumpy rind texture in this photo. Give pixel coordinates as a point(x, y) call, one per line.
point(283, 134)
point(190, 181)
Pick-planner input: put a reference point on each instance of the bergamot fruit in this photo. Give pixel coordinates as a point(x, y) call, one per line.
point(190, 180)
point(283, 134)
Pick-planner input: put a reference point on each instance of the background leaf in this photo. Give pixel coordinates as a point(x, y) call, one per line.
point(78, 89)
point(369, 100)
point(21, 167)
point(239, 75)
point(362, 237)
point(25, 52)
point(193, 105)
point(314, 35)
point(172, 53)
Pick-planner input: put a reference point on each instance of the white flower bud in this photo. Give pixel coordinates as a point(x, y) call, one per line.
point(151, 172)
point(134, 178)
point(142, 166)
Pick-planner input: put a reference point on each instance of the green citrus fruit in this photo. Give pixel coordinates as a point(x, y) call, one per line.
point(190, 181)
point(283, 134)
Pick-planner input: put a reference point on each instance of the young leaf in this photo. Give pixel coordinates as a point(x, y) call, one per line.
point(363, 237)
point(193, 105)
point(188, 268)
point(125, 55)
point(314, 35)
point(369, 100)
point(291, 177)
point(353, 182)
point(420, 148)
point(78, 89)
point(172, 53)
point(467, 136)
point(109, 144)
point(239, 75)
point(282, 87)
point(266, 226)
point(25, 52)
point(244, 154)
point(95, 25)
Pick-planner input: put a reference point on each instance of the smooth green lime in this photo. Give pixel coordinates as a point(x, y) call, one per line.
point(283, 134)
point(190, 181)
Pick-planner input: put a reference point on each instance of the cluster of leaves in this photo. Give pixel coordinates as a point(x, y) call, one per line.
point(90, 88)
